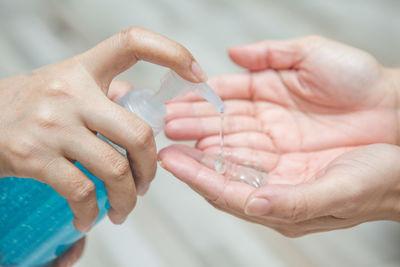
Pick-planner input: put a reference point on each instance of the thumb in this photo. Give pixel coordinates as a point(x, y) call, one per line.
point(271, 54)
point(123, 50)
point(294, 203)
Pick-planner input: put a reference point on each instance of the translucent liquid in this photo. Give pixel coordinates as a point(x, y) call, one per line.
point(234, 171)
point(219, 164)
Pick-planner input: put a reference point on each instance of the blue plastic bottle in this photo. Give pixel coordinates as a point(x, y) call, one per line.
point(36, 223)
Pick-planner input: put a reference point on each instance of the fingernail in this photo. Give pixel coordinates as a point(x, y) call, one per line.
point(198, 72)
point(257, 207)
point(142, 189)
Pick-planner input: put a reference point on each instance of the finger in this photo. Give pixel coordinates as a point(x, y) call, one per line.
point(182, 162)
point(320, 224)
point(127, 130)
point(176, 160)
point(78, 190)
point(123, 50)
point(269, 86)
point(110, 166)
point(71, 255)
point(118, 89)
point(296, 203)
point(232, 86)
point(272, 54)
point(288, 168)
point(197, 128)
point(177, 110)
point(252, 140)
point(260, 160)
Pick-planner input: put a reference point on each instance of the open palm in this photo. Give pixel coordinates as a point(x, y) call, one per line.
point(303, 103)
point(297, 113)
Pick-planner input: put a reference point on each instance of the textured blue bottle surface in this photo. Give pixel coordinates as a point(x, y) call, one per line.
point(36, 223)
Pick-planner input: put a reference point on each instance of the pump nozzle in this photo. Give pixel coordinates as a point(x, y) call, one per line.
point(173, 85)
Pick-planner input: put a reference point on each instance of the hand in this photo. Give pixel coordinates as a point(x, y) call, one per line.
point(71, 255)
point(304, 103)
point(358, 186)
point(49, 119)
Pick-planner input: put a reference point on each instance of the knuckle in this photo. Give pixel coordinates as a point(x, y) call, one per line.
point(45, 116)
point(132, 37)
point(120, 169)
point(22, 148)
point(56, 87)
point(145, 137)
point(83, 190)
point(129, 36)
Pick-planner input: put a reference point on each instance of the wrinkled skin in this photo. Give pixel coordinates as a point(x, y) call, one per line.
point(307, 112)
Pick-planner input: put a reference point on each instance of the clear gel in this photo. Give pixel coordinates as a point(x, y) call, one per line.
point(219, 164)
point(235, 171)
point(245, 174)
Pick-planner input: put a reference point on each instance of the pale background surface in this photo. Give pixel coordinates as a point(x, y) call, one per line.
point(172, 226)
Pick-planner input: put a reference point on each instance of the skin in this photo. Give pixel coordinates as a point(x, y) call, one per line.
point(71, 256)
point(116, 91)
point(319, 117)
point(49, 119)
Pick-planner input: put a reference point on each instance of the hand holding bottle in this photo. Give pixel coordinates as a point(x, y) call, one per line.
point(49, 119)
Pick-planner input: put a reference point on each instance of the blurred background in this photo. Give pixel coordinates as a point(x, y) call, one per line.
point(172, 226)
